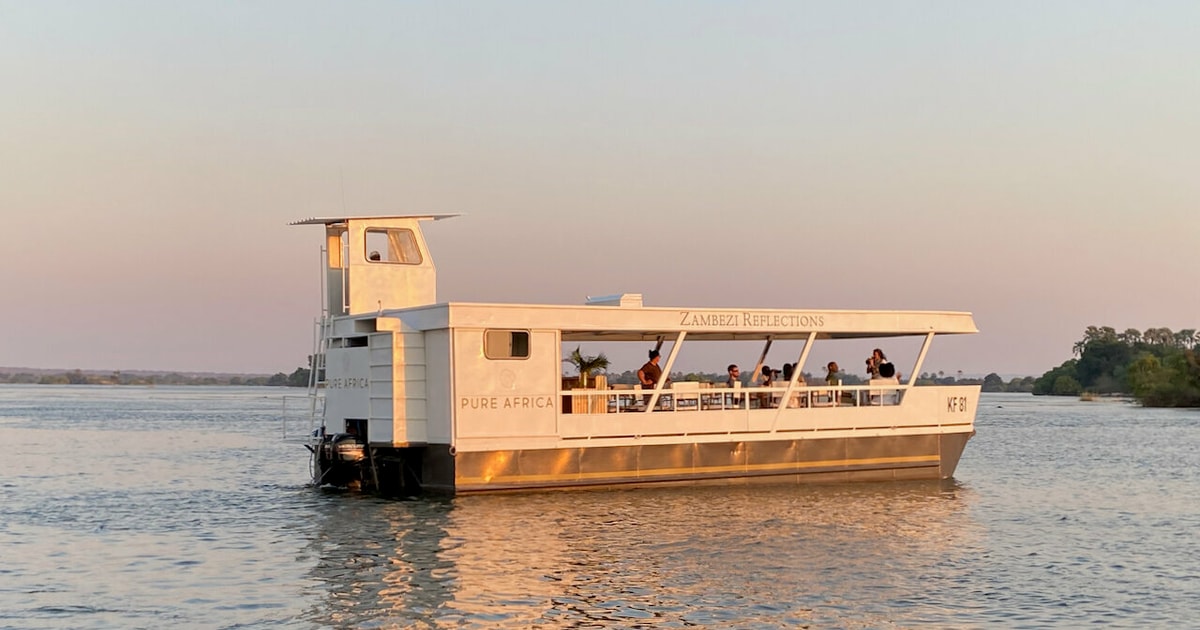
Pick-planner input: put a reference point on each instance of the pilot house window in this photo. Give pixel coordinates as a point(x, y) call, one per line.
point(506, 344)
point(397, 246)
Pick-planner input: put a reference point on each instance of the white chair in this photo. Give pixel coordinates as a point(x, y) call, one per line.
point(621, 400)
point(733, 399)
point(687, 395)
point(883, 396)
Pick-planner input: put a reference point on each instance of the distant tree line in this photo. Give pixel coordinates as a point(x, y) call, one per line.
point(1158, 367)
point(298, 378)
point(995, 383)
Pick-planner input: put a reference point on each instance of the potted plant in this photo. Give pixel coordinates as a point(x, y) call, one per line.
point(586, 364)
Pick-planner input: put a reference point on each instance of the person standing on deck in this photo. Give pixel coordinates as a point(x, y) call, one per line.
point(873, 363)
point(882, 367)
point(734, 380)
point(764, 400)
point(649, 374)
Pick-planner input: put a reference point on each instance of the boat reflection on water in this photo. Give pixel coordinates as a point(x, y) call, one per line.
point(857, 554)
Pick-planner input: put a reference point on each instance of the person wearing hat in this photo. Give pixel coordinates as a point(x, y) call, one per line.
point(649, 374)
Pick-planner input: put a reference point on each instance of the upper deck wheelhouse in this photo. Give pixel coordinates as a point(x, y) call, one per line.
point(376, 263)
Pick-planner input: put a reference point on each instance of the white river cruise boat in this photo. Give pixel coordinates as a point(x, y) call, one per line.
point(414, 395)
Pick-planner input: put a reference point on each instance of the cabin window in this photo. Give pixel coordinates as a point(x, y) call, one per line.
point(348, 342)
point(395, 246)
point(506, 344)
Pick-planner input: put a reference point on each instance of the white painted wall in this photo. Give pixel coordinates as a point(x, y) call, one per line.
point(510, 397)
point(438, 387)
point(347, 376)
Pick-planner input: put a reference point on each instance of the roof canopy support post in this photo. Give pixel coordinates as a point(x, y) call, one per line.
point(808, 344)
point(912, 378)
point(797, 374)
point(762, 357)
point(666, 373)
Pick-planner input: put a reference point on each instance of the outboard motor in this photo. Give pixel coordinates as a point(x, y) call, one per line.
point(346, 447)
point(340, 459)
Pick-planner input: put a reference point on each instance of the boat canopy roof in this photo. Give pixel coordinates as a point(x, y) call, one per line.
point(609, 323)
point(335, 220)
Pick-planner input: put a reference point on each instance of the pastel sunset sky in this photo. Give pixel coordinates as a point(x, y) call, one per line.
point(1035, 163)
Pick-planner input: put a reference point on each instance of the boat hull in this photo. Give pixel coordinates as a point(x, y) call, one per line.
point(841, 459)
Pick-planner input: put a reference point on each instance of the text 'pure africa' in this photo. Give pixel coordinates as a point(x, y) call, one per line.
point(506, 402)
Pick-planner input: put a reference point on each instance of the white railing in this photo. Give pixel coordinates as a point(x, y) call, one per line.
point(692, 396)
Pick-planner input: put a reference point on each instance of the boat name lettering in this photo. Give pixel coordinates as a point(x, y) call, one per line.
point(747, 319)
point(956, 404)
point(506, 402)
point(350, 382)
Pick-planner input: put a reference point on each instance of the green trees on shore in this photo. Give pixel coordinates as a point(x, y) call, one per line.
point(1158, 367)
point(994, 383)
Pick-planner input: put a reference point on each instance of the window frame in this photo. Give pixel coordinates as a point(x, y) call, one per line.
point(487, 332)
point(372, 233)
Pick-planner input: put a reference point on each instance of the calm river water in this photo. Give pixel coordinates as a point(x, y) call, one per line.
point(182, 507)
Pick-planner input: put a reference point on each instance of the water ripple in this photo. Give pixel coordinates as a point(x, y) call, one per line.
point(180, 507)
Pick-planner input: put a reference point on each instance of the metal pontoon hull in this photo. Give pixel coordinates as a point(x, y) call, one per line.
point(825, 460)
point(800, 460)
